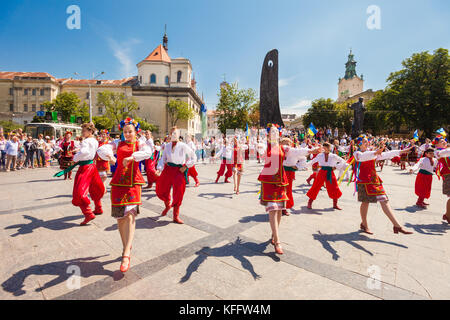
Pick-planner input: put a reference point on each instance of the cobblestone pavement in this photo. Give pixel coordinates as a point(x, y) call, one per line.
point(223, 250)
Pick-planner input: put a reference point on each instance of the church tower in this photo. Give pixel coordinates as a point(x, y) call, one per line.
point(165, 39)
point(351, 84)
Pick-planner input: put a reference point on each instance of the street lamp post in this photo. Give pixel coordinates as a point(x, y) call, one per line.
point(90, 93)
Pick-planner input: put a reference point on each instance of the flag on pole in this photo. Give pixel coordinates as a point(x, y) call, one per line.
point(312, 130)
point(442, 132)
point(416, 135)
point(246, 131)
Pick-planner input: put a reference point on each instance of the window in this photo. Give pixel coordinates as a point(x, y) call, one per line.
point(167, 80)
point(33, 107)
point(87, 95)
point(140, 79)
point(42, 92)
point(25, 92)
point(41, 107)
point(11, 91)
point(100, 110)
point(11, 107)
point(179, 73)
point(33, 92)
point(153, 78)
point(25, 108)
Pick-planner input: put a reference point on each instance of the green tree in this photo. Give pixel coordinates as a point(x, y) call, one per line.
point(66, 104)
point(253, 116)
point(179, 110)
point(147, 126)
point(103, 122)
point(9, 126)
point(322, 113)
point(419, 94)
point(117, 105)
point(234, 108)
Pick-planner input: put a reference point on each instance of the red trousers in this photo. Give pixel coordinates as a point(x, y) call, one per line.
point(423, 185)
point(291, 177)
point(192, 172)
point(332, 187)
point(151, 172)
point(88, 181)
point(229, 168)
point(171, 177)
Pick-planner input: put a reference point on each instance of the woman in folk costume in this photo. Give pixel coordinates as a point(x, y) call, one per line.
point(292, 157)
point(174, 163)
point(424, 179)
point(67, 147)
point(102, 165)
point(369, 185)
point(226, 153)
point(443, 170)
point(327, 162)
point(87, 180)
point(238, 163)
point(150, 164)
point(192, 172)
point(126, 183)
point(273, 184)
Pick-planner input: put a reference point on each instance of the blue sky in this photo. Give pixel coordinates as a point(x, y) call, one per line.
point(225, 37)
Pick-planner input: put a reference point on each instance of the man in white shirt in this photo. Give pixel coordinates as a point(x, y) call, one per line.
point(226, 152)
point(176, 159)
point(327, 162)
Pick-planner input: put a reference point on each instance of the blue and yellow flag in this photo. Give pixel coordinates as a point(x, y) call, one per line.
point(312, 130)
point(442, 132)
point(416, 135)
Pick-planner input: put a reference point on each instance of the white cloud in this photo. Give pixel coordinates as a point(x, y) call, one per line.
point(299, 107)
point(122, 52)
point(284, 82)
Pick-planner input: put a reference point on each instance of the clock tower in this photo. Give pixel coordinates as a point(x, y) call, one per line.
point(351, 84)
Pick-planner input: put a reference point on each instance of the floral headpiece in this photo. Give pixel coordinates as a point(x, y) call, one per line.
point(269, 125)
point(68, 132)
point(437, 139)
point(129, 121)
point(360, 139)
point(105, 131)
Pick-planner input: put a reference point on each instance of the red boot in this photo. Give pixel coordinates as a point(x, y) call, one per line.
point(168, 207)
point(310, 203)
point(197, 183)
point(217, 180)
point(87, 218)
point(446, 218)
point(335, 205)
point(226, 180)
point(176, 215)
point(285, 212)
point(98, 211)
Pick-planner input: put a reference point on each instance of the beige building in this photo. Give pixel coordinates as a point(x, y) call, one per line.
point(159, 80)
point(213, 129)
point(351, 84)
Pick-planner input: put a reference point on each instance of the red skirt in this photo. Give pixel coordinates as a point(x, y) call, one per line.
point(271, 192)
point(126, 196)
point(423, 185)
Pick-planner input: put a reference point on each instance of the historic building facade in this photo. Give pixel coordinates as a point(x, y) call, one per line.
point(351, 84)
point(159, 80)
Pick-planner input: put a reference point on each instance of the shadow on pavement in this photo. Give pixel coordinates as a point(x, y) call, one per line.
point(60, 269)
point(233, 249)
point(144, 223)
point(351, 238)
point(429, 229)
point(55, 224)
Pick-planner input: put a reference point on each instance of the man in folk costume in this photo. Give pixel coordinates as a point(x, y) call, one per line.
point(424, 179)
point(443, 156)
point(102, 165)
point(273, 184)
point(226, 153)
point(174, 163)
point(150, 164)
point(327, 162)
point(315, 167)
point(370, 186)
point(293, 156)
point(67, 147)
point(192, 172)
point(87, 180)
point(126, 184)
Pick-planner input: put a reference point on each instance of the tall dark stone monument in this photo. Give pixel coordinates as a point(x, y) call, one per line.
point(269, 105)
point(358, 117)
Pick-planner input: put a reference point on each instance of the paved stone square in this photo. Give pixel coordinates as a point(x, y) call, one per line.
point(223, 250)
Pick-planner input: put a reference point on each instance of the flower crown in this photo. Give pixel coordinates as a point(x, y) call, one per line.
point(437, 139)
point(360, 139)
point(105, 131)
point(129, 121)
point(269, 125)
point(68, 132)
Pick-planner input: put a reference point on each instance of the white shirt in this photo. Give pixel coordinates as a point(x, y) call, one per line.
point(294, 155)
point(444, 153)
point(88, 149)
point(182, 154)
point(370, 155)
point(150, 144)
point(225, 152)
point(107, 150)
point(333, 160)
point(425, 164)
